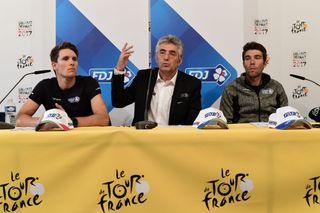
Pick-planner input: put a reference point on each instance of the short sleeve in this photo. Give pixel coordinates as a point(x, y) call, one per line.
point(93, 87)
point(38, 92)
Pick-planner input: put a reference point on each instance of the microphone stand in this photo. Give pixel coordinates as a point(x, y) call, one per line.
point(312, 81)
point(316, 125)
point(15, 86)
point(146, 124)
point(4, 125)
point(304, 78)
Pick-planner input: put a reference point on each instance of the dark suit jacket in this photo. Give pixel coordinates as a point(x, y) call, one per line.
point(185, 103)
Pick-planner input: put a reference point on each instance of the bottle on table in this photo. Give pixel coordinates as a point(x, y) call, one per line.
point(10, 110)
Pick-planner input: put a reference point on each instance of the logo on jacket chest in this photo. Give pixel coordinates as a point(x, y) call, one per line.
point(268, 91)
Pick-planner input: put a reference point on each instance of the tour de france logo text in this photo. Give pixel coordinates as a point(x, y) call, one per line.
point(20, 193)
point(123, 191)
point(312, 196)
point(227, 189)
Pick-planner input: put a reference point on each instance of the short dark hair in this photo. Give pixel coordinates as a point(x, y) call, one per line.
point(64, 45)
point(254, 46)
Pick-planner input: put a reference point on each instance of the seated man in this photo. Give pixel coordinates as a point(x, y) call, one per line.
point(174, 97)
point(79, 96)
point(253, 96)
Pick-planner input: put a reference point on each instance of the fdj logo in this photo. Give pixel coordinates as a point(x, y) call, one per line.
point(214, 114)
point(291, 114)
point(54, 115)
point(218, 74)
point(104, 75)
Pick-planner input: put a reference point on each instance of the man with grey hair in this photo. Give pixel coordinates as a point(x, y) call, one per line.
point(174, 96)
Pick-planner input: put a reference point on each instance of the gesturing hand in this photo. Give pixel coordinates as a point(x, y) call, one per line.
point(126, 52)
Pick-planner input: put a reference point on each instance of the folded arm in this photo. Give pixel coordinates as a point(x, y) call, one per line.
point(100, 115)
point(226, 106)
point(24, 116)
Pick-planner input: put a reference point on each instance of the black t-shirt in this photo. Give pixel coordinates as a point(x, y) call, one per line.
point(76, 101)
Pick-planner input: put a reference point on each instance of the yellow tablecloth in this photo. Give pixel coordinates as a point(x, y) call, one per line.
point(177, 169)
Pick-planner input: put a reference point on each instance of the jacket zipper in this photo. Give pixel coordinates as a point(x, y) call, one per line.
point(259, 109)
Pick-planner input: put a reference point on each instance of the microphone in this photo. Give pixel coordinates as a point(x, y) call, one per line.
point(303, 78)
point(4, 125)
point(41, 72)
point(314, 114)
point(298, 77)
point(145, 124)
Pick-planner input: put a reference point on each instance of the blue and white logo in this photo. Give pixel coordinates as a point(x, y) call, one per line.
point(73, 100)
point(218, 74)
point(268, 91)
point(295, 114)
point(104, 75)
point(212, 114)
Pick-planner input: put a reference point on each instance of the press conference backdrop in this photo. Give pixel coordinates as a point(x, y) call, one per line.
point(27, 36)
point(213, 32)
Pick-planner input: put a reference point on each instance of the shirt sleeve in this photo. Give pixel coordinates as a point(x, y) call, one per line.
point(226, 105)
point(38, 92)
point(93, 87)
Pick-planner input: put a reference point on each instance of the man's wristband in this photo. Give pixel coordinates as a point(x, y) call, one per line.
point(118, 72)
point(74, 121)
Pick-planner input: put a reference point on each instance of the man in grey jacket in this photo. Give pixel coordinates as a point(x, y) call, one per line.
point(253, 96)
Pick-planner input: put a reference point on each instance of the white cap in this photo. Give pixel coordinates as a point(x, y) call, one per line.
point(287, 118)
point(57, 118)
point(210, 118)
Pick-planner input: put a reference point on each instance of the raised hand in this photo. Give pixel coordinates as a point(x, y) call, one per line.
point(126, 52)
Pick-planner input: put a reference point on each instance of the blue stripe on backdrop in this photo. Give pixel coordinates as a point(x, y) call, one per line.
point(97, 54)
point(200, 58)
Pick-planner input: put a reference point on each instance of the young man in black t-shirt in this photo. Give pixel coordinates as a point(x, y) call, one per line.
point(79, 96)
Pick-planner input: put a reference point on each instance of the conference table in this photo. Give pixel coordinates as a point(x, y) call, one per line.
point(166, 169)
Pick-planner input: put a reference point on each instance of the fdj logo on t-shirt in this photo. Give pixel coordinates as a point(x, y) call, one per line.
point(218, 74)
point(123, 191)
point(19, 193)
point(227, 189)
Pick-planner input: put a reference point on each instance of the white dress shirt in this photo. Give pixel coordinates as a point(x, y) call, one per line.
point(159, 110)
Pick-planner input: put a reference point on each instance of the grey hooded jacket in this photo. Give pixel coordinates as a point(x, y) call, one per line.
point(242, 103)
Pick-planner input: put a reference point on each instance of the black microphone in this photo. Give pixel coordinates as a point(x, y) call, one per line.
point(303, 78)
point(298, 76)
point(314, 114)
point(4, 125)
point(41, 72)
point(145, 124)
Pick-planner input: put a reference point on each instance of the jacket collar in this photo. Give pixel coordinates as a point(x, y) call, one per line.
point(265, 80)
